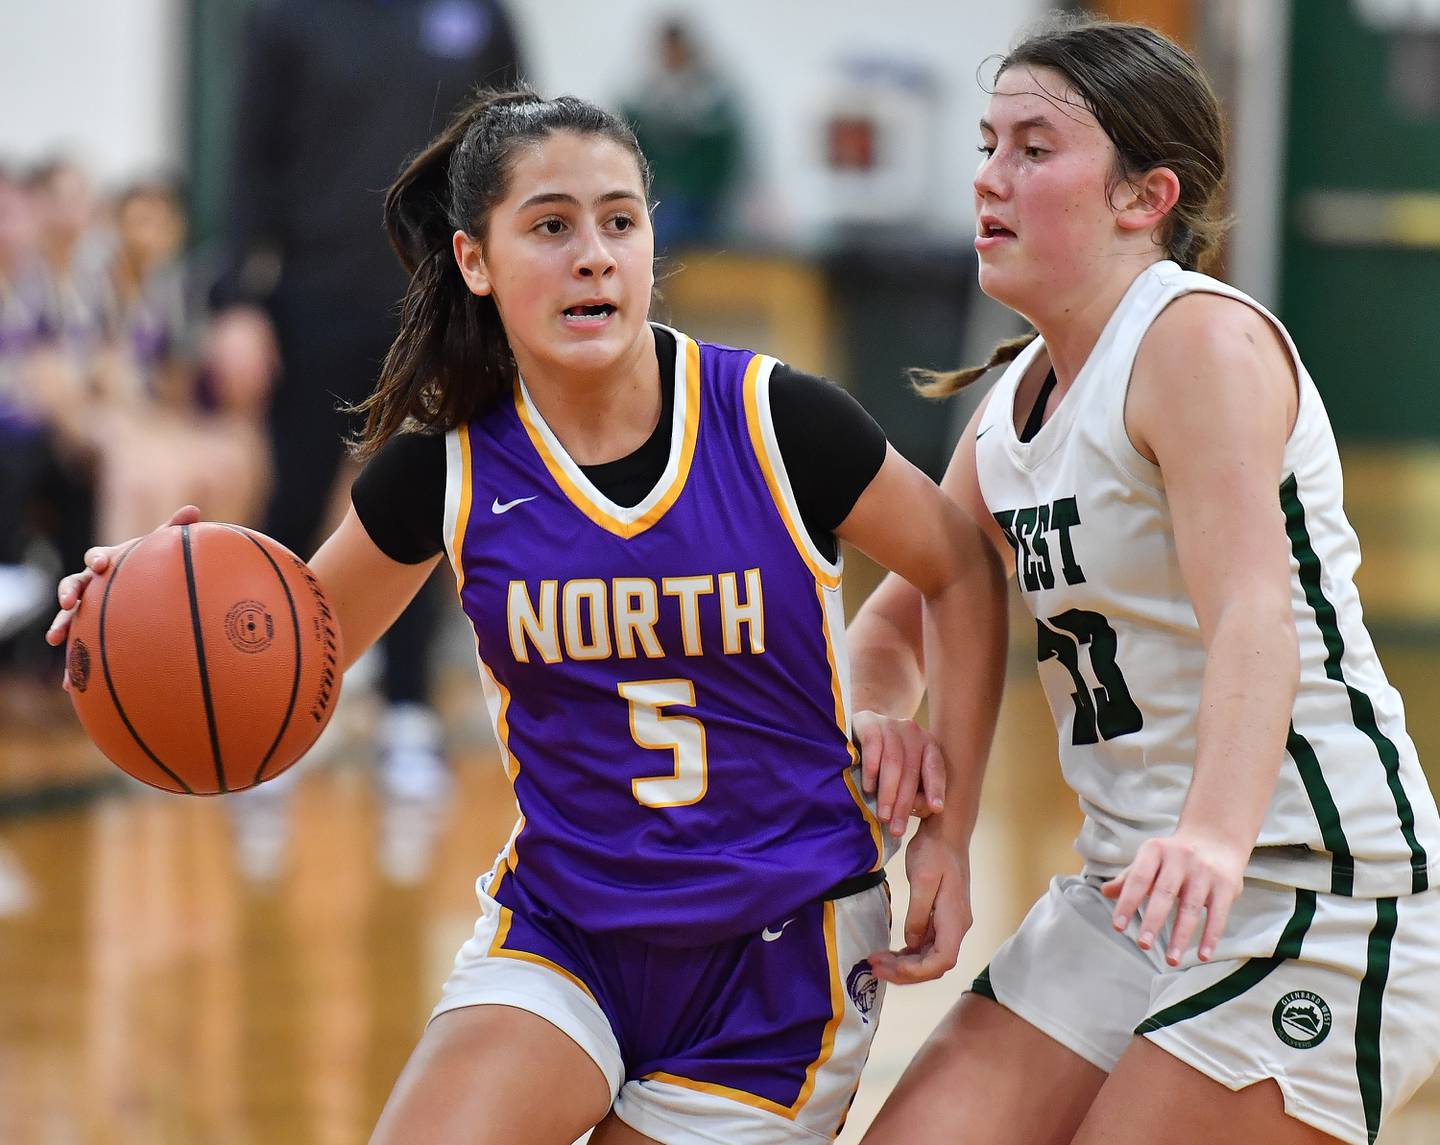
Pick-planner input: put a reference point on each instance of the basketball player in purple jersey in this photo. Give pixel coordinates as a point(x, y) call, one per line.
point(673, 944)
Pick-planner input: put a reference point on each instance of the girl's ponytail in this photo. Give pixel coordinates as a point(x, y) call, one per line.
point(937, 385)
point(451, 359)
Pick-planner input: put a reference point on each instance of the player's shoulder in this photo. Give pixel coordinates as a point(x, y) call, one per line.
point(403, 456)
point(1209, 357)
point(1208, 329)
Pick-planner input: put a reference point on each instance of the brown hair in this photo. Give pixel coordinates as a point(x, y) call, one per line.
point(451, 360)
point(1158, 109)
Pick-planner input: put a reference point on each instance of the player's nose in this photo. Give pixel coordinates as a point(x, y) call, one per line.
point(989, 180)
point(593, 256)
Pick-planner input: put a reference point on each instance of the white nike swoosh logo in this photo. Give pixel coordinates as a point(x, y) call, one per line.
point(497, 507)
point(771, 935)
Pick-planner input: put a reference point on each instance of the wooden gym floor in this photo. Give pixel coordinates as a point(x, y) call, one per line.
point(256, 969)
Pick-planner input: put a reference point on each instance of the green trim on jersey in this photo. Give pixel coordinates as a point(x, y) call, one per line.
point(982, 986)
point(1250, 972)
point(1342, 864)
point(1363, 713)
point(1362, 710)
point(1367, 1014)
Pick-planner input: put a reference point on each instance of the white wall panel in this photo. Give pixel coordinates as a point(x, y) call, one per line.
point(100, 79)
point(785, 56)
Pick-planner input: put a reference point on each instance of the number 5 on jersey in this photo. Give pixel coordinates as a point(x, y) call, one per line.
point(682, 735)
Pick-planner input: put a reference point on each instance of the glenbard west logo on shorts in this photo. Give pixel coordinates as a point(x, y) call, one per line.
point(1301, 1019)
point(863, 988)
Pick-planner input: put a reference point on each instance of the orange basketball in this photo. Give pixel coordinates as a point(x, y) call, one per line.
point(206, 659)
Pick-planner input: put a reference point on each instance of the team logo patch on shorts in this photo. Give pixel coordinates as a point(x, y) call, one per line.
point(1301, 1019)
point(863, 988)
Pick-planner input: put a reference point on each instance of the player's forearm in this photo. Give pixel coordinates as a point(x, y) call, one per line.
point(965, 639)
point(1251, 673)
point(887, 665)
point(367, 590)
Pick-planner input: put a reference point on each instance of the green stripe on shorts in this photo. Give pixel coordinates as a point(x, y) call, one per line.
point(1253, 970)
point(1367, 1014)
point(982, 986)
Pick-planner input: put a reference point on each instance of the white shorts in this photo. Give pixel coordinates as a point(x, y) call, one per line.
point(1337, 999)
point(758, 1040)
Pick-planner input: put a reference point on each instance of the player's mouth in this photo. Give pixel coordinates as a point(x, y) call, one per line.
point(588, 314)
point(990, 232)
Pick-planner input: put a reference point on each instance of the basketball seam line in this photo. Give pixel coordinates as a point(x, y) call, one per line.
point(299, 654)
point(200, 658)
point(110, 684)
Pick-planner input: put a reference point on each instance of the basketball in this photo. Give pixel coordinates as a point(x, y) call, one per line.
point(206, 659)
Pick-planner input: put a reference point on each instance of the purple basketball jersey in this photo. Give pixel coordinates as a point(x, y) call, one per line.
point(667, 681)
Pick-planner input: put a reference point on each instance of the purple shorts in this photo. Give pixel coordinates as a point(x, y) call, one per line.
point(755, 1039)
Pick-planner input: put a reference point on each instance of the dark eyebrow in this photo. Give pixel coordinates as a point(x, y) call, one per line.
point(1021, 125)
point(570, 200)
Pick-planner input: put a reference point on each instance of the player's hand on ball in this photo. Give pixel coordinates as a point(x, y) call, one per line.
point(939, 913)
point(1190, 873)
point(902, 766)
point(207, 659)
point(97, 560)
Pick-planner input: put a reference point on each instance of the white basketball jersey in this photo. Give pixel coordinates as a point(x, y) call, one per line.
point(1120, 654)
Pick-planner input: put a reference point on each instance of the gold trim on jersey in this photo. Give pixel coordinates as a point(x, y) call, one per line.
point(502, 722)
point(827, 1045)
point(462, 512)
point(842, 721)
point(685, 432)
point(497, 699)
point(497, 696)
point(767, 453)
point(498, 949)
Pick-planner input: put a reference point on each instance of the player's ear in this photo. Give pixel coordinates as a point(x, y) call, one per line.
point(471, 260)
point(1142, 201)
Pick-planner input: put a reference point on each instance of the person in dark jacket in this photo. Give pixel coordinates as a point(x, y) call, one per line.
point(332, 94)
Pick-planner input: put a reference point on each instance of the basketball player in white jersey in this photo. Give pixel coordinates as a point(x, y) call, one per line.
point(1252, 952)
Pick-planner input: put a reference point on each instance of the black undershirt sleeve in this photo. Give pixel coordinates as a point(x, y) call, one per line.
point(400, 497)
point(831, 447)
point(832, 450)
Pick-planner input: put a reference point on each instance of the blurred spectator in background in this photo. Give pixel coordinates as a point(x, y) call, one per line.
point(172, 430)
point(333, 95)
point(146, 314)
point(51, 272)
point(688, 122)
point(106, 421)
point(24, 589)
point(72, 266)
point(72, 250)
